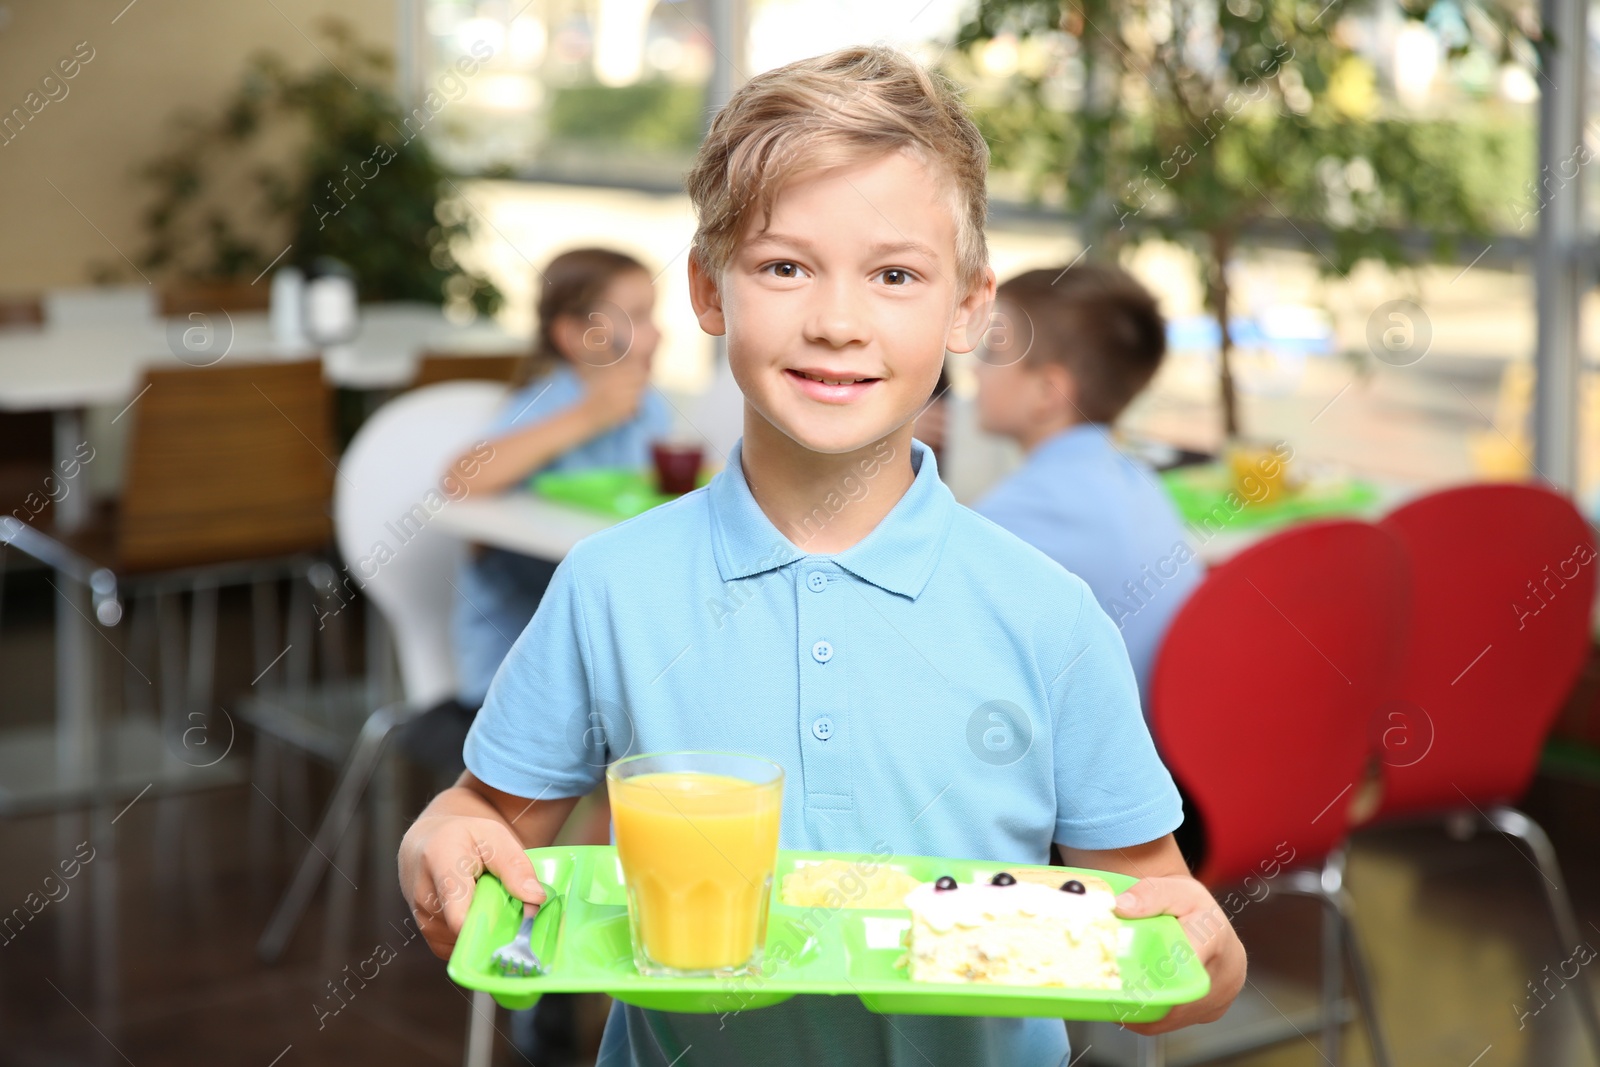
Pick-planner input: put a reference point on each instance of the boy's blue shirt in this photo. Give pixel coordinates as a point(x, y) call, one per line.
point(1106, 518)
point(498, 591)
point(939, 688)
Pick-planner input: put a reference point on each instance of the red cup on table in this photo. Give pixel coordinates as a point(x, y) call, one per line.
point(677, 466)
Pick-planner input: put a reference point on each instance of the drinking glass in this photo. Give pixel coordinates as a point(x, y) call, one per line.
point(697, 835)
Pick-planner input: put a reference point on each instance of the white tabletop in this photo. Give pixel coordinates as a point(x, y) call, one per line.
point(78, 366)
point(519, 521)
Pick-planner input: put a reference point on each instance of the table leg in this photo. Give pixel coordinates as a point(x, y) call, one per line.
point(76, 693)
point(75, 686)
point(72, 508)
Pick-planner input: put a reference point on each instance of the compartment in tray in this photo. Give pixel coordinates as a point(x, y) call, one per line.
point(602, 877)
point(795, 953)
point(1156, 974)
point(873, 944)
point(843, 891)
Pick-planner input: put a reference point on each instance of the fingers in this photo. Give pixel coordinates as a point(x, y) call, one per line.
point(441, 906)
point(440, 938)
point(1186, 899)
point(1162, 896)
point(502, 854)
point(457, 875)
point(1210, 936)
point(450, 864)
point(1176, 1019)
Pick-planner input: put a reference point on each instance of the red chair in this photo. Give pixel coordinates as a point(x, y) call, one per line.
point(1259, 703)
point(1502, 586)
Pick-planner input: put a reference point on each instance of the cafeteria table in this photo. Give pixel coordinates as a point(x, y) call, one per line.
point(521, 521)
point(64, 369)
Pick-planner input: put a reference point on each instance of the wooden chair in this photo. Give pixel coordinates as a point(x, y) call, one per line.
point(21, 310)
point(229, 480)
point(436, 367)
point(189, 297)
point(227, 464)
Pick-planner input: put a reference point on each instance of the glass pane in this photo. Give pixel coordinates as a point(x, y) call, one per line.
point(613, 90)
point(781, 31)
point(1313, 361)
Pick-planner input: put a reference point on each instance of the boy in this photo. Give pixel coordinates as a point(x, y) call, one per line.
point(840, 248)
point(1081, 344)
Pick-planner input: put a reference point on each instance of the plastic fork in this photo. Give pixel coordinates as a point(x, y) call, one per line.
point(515, 958)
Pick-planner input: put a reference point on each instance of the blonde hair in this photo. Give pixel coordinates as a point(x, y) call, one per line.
point(829, 110)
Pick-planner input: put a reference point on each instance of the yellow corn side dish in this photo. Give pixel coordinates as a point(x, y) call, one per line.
point(844, 884)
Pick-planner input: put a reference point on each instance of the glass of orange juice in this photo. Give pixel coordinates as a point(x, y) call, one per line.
point(1260, 474)
point(697, 835)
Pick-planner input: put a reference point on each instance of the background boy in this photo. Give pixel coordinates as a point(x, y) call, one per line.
point(840, 249)
point(1078, 346)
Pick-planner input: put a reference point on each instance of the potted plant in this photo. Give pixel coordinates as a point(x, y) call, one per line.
point(300, 166)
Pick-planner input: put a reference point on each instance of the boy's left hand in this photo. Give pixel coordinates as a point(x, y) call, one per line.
point(1211, 935)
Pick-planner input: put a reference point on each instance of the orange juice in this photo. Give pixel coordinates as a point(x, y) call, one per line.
point(1260, 476)
point(697, 852)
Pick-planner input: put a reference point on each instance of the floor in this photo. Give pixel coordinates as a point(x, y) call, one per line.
point(141, 918)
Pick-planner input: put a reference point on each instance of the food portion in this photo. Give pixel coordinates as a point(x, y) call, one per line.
point(845, 884)
point(1015, 932)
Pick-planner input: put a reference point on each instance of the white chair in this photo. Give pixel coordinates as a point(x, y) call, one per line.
point(104, 305)
point(389, 488)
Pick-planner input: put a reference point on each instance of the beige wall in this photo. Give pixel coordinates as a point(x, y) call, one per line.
point(156, 57)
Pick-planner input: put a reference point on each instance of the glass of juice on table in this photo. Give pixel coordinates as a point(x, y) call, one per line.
point(677, 465)
point(697, 835)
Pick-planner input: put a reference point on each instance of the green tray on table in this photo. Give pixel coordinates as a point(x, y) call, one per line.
point(619, 492)
point(1198, 491)
point(581, 936)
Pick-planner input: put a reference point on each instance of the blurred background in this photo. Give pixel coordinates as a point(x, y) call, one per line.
point(1368, 224)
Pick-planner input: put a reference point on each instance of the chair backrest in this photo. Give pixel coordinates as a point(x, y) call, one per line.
point(201, 297)
point(435, 367)
point(1264, 687)
point(21, 310)
point(384, 509)
point(1502, 583)
point(102, 305)
point(225, 463)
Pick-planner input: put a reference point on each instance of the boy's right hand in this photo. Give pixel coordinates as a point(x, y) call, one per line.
point(441, 858)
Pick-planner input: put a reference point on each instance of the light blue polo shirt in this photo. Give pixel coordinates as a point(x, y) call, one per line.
point(1106, 518)
point(497, 591)
point(939, 688)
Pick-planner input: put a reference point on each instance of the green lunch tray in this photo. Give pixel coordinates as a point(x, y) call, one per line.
point(581, 936)
point(1199, 491)
point(616, 491)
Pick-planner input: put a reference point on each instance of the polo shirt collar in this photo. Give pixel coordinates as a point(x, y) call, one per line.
point(899, 555)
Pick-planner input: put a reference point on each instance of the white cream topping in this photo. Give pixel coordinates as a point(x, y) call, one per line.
point(974, 905)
